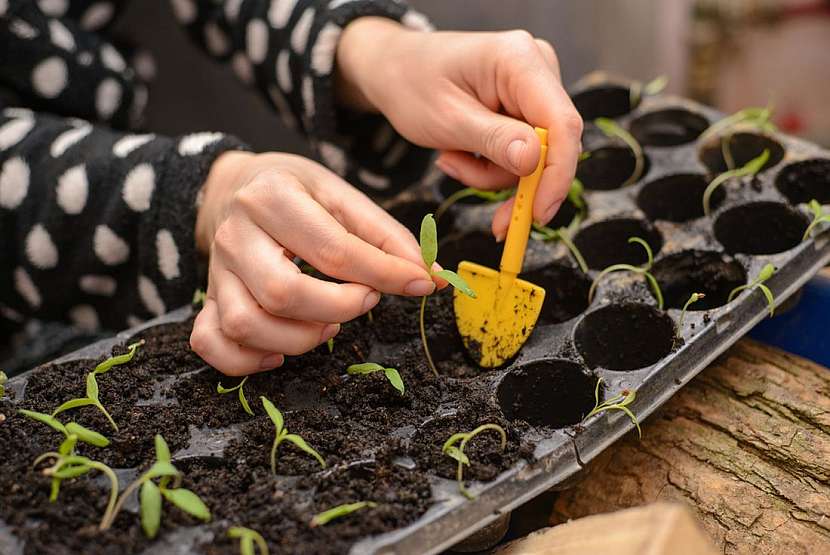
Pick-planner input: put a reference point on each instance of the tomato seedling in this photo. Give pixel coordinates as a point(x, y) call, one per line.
point(758, 283)
point(371, 367)
point(281, 434)
point(754, 118)
point(644, 270)
point(339, 512)
point(695, 297)
point(819, 218)
point(457, 452)
point(118, 360)
point(620, 402)
point(612, 130)
point(750, 168)
point(249, 540)
point(240, 388)
point(91, 399)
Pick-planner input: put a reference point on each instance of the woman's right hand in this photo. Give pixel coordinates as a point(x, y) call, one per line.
point(259, 211)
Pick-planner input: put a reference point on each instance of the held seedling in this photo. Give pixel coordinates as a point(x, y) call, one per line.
point(90, 399)
point(489, 196)
point(249, 540)
point(457, 452)
point(339, 512)
point(370, 368)
point(612, 130)
point(151, 494)
point(750, 168)
point(758, 283)
point(429, 253)
point(281, 434)
point(240, 387)
point(620, 402)
point(818, 218)
point(644, 270)
point(695, 297)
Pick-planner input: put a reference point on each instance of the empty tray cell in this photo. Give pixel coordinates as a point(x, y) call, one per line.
point(670, 127)
point(608, 168)
point(607, 101)
point(567, 212)
point(677, 198)
point(624, 336)
point(760, 228)
point(708, 272)
point(606, 242)
point(410, 214)
point(805, 181)
point(566, 292)
point(553, 393)
point(476, 246)
point(742, 147)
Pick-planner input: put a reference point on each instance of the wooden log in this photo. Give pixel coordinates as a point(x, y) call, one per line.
point(746, 445)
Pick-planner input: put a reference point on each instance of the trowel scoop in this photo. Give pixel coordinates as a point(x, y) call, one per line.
point(496, 323)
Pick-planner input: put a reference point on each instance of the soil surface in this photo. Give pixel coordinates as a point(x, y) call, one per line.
point(743, 147)
point(805, 181)
point(777, 228)
point(670, 127)
point(605, 243)
point(711, 273)
point(677, 198)
point(610, 101)
point(608, 168)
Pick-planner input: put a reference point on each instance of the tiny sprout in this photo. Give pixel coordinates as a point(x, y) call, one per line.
point(249, 540)
point(118, 360)
point(330, 344)
point(3, 379)
point(90, 399)
point(818, 218)
point(644, 270)
point(620, 402)
point(151, 494)
point(695, 297)
point(281, 434)
point(653, 87)
point(489, 196)
point(750, 168)
point(370, 367)
point(457, 453)
point(340, 511)
point(429, 253)
point(611, 129)
point(199, 297)
point(544, 233)
point(240, 387)
point(758, 283)
point(759, 118)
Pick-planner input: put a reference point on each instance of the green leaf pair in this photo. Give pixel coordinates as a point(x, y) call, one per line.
point(429, 253)
point(618, 402)
point(758, 283)
point(750, 168)
point(456, 452)
point(644, 270)
point(70, 429)
point(339, 512)
point(281, 434)
point(819, 217)
point(90, 399)
point(370, 367)
point(240, 387)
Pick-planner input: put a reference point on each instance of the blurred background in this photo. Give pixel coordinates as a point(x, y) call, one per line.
point(727, 53)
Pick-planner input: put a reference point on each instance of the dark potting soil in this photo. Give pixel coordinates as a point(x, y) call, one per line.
point(606, 242)
point(805, 181)
point(608, 168)
point(611, 101)
point(566, 292)
point(760, 228)
point(669, 127)
point(410, 214)
point(743, 147)
point(711, 273)
point(677, 198)
point(476, 246)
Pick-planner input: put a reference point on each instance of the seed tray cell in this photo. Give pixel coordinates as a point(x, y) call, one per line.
point(541, 397)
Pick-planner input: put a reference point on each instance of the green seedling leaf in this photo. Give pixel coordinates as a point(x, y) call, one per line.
point(3, 379)
point(240, 387)
point(611, 129)
point(199, 297)
point(247, 540)
point(457, 453)
point(340, 511)
point(68, 445)
point(489, 196)
point(160, 469)
point(70, 471)
point(656, 85)
point(86, 435)
point(73, 404)
point(454, 452)
point(150, 501)
point(371, 367)
point(643, 270)
point(750, 168)
point(187, 501)
point(303, 446)
point(47, 419)
point(456, 281)
point(162, 450)
point(330, 344)
point(118, 360)
point(429, 241)
point(395, 379)
point(575, 194)
point(619, 402)
point(758, 283)
point(274, 414)
point(92, 386)
point(695, 297)
point(818, 218)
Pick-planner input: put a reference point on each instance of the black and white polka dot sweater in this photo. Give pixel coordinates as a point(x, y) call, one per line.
point(97, 222)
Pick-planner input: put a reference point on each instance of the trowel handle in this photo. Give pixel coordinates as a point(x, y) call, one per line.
point(522, 215)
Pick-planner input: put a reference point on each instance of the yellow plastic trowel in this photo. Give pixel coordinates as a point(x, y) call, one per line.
point(496, 323)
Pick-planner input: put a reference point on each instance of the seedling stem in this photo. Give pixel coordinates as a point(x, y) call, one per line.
point(457, 453)
point(644, 270)
point(695, 297)
point(750, 168)
point(545, 233)
point(758, 283)
point(370, 368)
point(611, 129)
point(90, 399)
point(281, 434)
point(340, 511)
point(240, 387)
point(620, 402)
point(249, 540)
point(818, 218)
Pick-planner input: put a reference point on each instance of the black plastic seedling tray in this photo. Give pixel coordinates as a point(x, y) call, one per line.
point(621, 336)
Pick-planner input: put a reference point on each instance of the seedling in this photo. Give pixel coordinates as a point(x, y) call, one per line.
point(489, 196)
point(151, 494)
point(750, 168)
point(249, 540)
point(754, 117)
point(199, 297)
point(370, 367)
point(90, 399)
point(3, 379)
point(758, 283)
point(429, 253)
point(818, 218)
point(643, 270)
point(340, 511)
point(118, 360)
point(330, 344)
point(544, 233)
point(457, 452)
point(638, 89)
point(281, 434)
point(620, 402)
point(695, 297)
point(240, 387)
point(611, 129)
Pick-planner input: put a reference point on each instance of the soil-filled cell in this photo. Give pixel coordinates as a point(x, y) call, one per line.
point(670, 127)
point(676, 198)
point(805, 181)
point(624, 336)
point(566, 292)
point(555, 393)
point(707, 272)
point(760, 228)
point(477, 246)
point(608, 168)
point(609, 101)
point(567, 212)
point(743, 147)
point(410, 214)
point(605, 243)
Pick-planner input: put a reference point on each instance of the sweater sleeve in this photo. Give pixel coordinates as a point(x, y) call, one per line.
point(97, 226)
point(286, 49)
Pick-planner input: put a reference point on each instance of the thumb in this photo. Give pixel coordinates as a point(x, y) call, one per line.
point(510, 143)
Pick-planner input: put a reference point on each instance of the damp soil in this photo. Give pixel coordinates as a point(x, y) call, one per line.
point(742, 147)
point(410, 214)
point(804, 181)
point(608, 168)
point(760, 228)
point(711, 273)
point(610, 101)
point(566, 292)
point(606, 242)
point(669, 127)
point(677, 198)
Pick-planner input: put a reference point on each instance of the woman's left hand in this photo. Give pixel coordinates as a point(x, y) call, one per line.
point(465, 93)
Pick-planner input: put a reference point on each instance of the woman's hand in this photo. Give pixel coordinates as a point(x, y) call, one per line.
point(257, 213)
point(464, 93)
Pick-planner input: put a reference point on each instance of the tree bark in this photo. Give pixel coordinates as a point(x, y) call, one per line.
point(746, 444)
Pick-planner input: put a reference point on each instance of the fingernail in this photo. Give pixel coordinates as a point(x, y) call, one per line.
point(329, 331)
point(370, 301)
point(419, 287)
point(551, 211)
point(514, 153)
point(500, 237)
point(271, 361)
point(447, 168)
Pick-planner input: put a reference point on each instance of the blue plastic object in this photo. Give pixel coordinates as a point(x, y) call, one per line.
point(805, 329)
